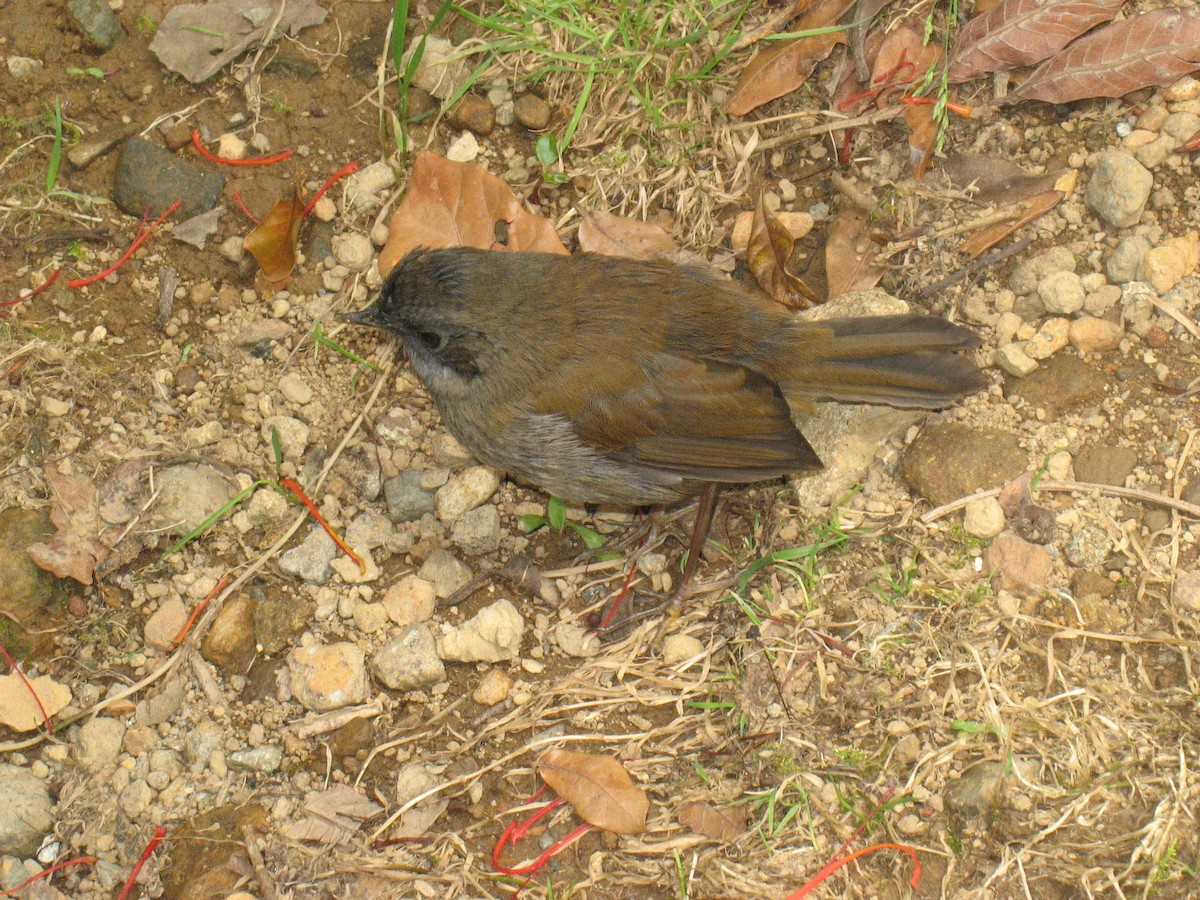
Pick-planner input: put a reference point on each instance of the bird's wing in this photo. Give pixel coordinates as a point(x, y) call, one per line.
point(700, 418)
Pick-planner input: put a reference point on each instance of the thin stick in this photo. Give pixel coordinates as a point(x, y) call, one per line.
point(1110, 490)
point(266, 884)
point(871, 118)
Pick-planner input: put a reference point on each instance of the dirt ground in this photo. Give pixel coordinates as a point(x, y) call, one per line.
point(1031, 738)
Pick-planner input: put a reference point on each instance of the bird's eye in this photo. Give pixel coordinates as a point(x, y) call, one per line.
point(432, 340)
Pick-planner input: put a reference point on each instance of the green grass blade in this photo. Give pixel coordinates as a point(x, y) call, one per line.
point(56, 151)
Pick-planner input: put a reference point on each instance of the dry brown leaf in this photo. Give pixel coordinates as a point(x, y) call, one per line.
point(850, 254)
point(719, 824)
point(995, 179)
point(767, 255)
point(798, 224)
point(986, 238)
point(904, 56)
point(1192, 143)
point(598, 789)
point(922, 137)
point(75, 549)
point(418, 820)
point(332, 816)
point(452, 204)
point(273, 241)
point(19, 709)
point(1023, 33)
point(782, 68)
point(613, 235)
point(1154, 48)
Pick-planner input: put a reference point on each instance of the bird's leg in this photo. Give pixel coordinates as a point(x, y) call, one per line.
point(705, 509)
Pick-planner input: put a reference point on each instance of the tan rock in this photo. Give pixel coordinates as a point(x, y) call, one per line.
point(1167, 264)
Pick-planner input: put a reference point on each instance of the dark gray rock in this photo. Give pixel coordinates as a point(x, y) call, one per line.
point(407, 501)
point(96, 22)
point(149, 179)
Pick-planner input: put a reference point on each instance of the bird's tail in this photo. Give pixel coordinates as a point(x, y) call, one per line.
point(905, 360)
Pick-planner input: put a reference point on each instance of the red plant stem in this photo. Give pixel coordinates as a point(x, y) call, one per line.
point(77, 861)
point(187, 626)
point(249, 215)
point(159, 834)
point(961, 109)
point(142, 233)
point(36, 699)
point(312, 509)
point(833, 865)
point(256, 161)
point(862, 95)
point(345, 170)
point(902, 63)
point(516, 831)
point(37, 290)
point(611, 613)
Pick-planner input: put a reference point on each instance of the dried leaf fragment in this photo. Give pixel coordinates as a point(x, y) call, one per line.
point(1154, 48)
point(719, 824)
point(1033, 208)
point(782, 68)
point(767, 255)
point(332, 816)
point(613, 235)
point(273, 241)
point(922, 137)
point(1024, 33)
point(75, 549)
point(453, 204)
point(850, 254)
point(598, 789)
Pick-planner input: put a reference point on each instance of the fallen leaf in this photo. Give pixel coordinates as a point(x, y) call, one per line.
point(850, 254)
point(922, 137)
point(986, 238)
point(1153, 48)
point(75, 549)
point(419, 819)
point(782, 68)
point(198, 229)
point(767, 255)
point(452, 204)
point(598, 789)
point(613, 235)
point(332, 816)
point(273, 240)
point(903, 56)
point(719, 824)
point(197, 40)
point(798, 224)
point(19, 709)
point(994, 178)
point(1023, 33)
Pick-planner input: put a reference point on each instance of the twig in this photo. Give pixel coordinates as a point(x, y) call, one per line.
point(982, 262)
point(871, 118)
point(266, 884)
point(1071, 487)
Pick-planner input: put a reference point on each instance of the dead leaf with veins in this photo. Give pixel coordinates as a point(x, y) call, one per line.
point(453, 204)
point(598, 789)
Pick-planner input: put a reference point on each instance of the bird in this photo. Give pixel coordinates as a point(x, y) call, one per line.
point(633, 383)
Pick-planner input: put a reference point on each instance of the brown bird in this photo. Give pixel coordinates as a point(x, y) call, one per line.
point(616, 381)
